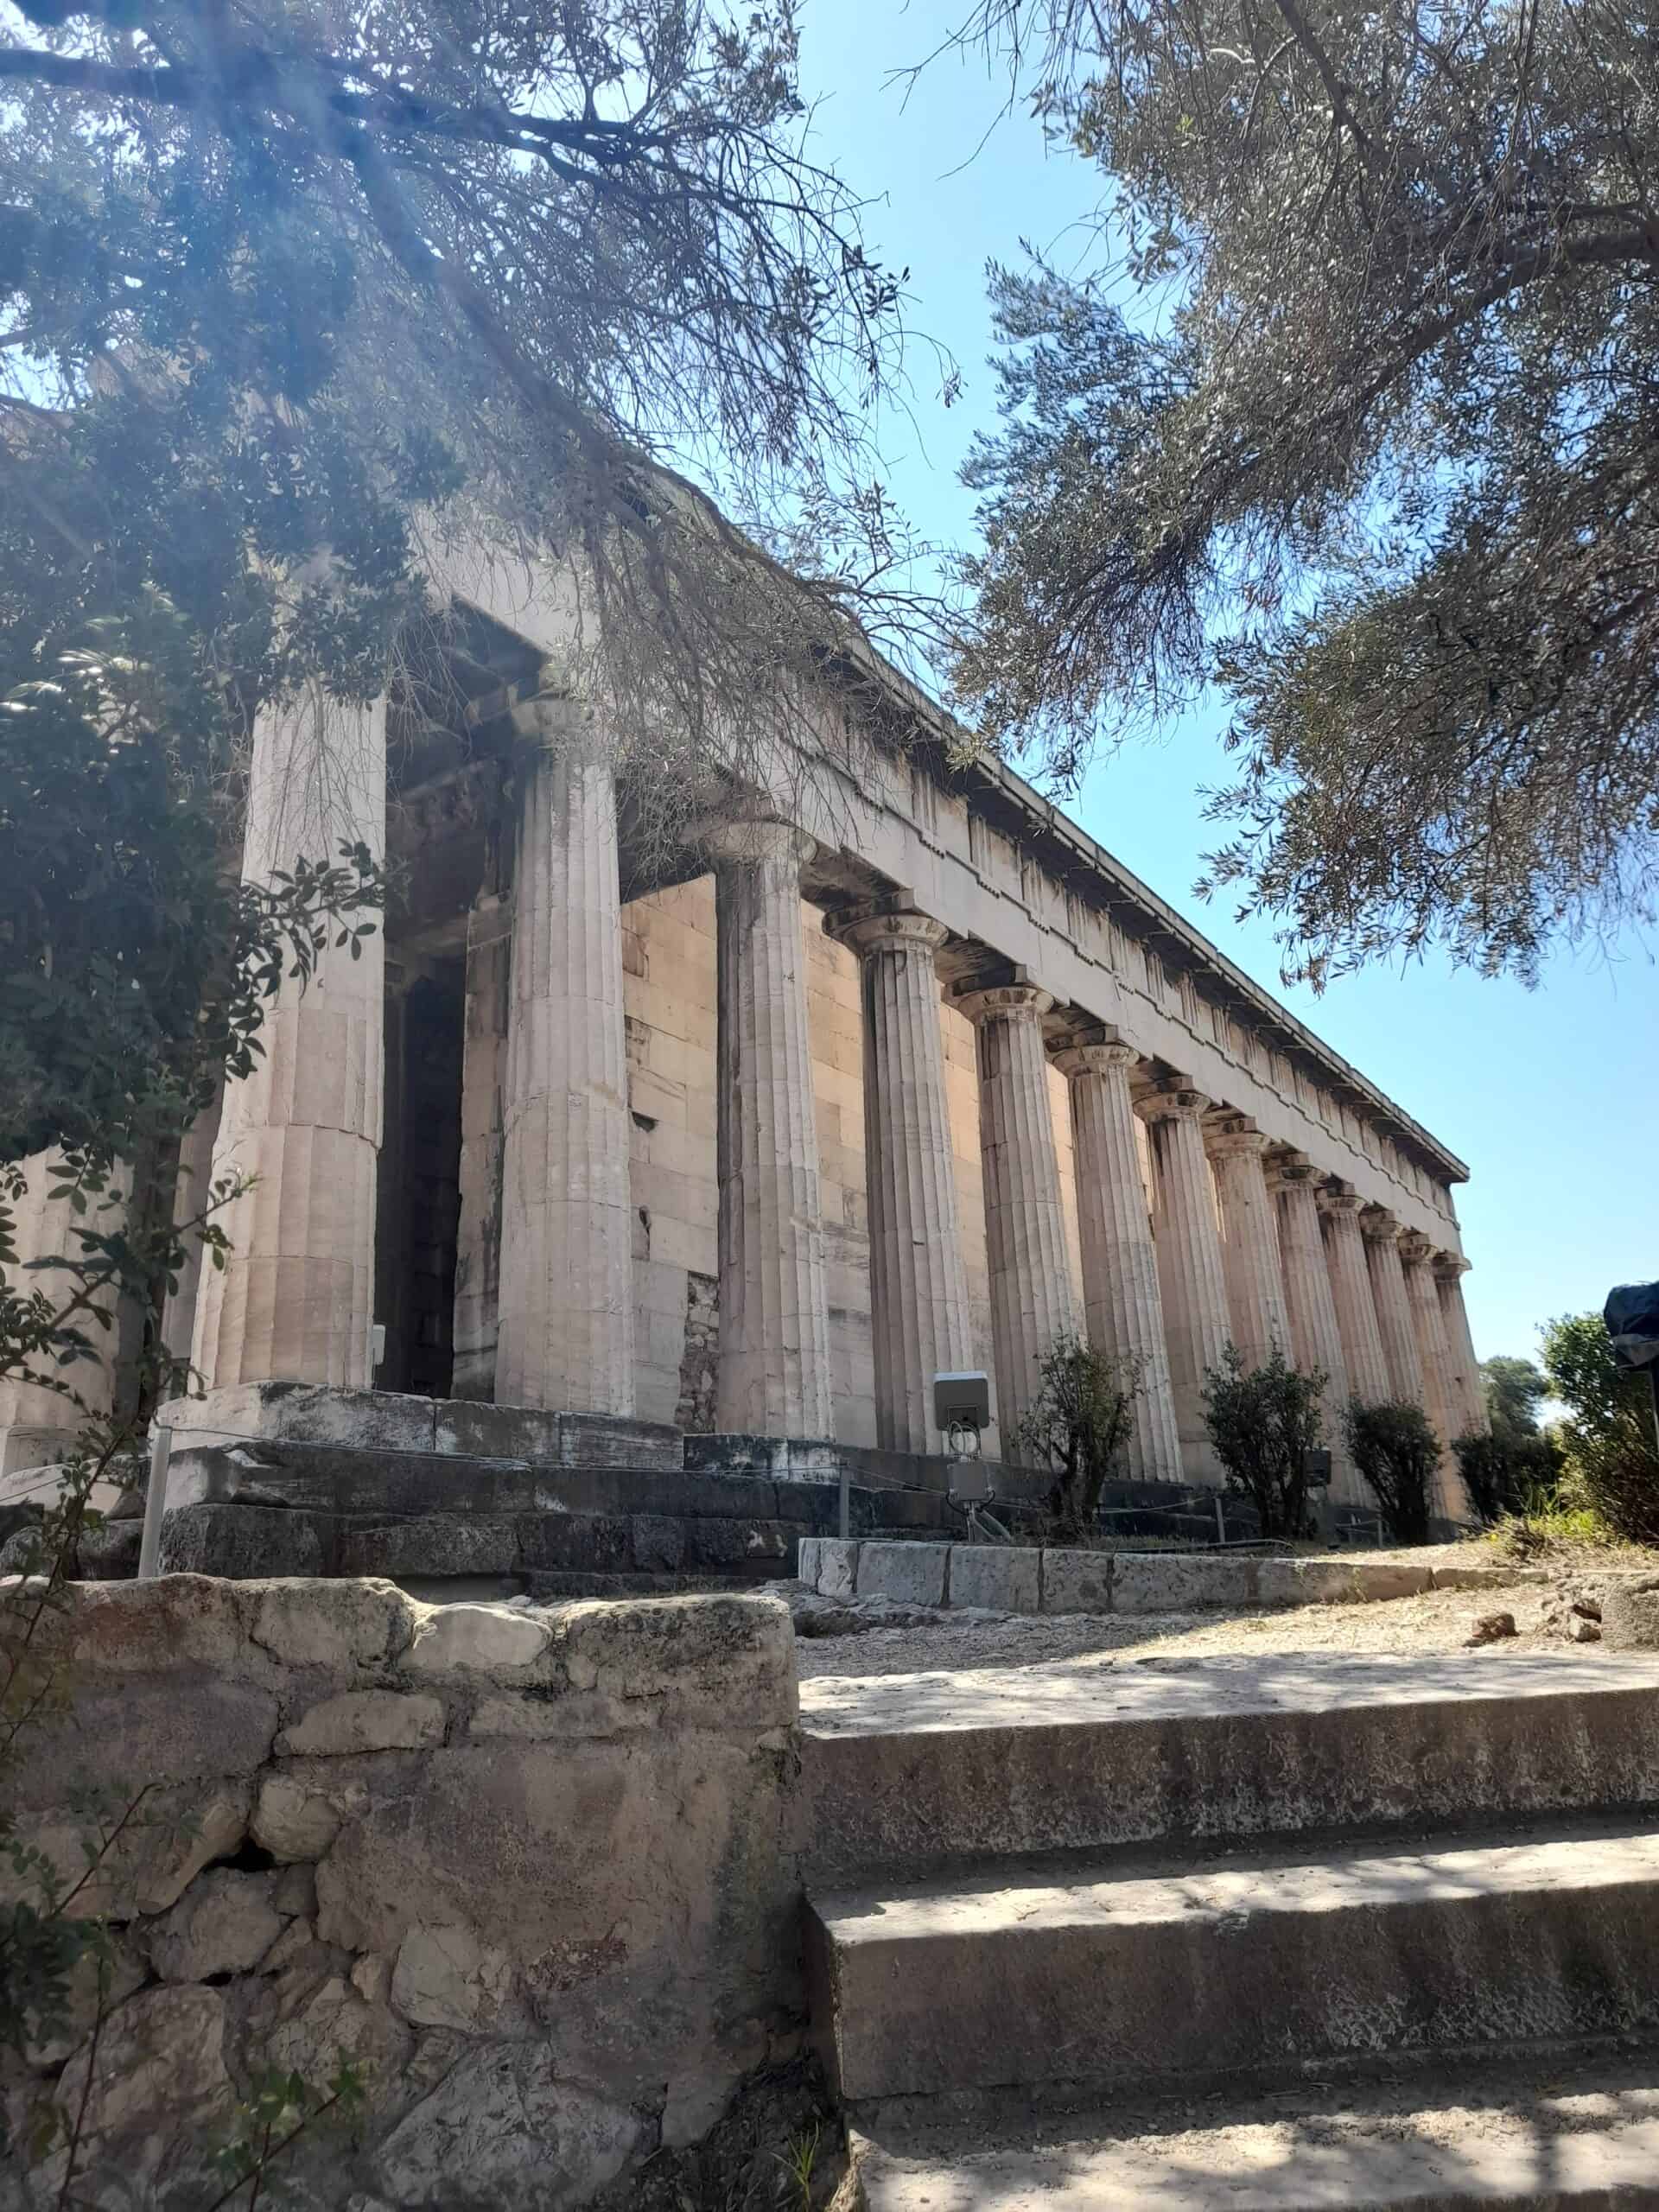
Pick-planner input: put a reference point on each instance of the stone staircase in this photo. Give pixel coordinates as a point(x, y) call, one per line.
point(1267, 1935)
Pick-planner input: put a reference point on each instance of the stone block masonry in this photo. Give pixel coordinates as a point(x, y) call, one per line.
point(531, 1870)
point(1027, 1579)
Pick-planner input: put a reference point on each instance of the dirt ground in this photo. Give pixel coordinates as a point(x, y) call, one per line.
point(1540, 1598)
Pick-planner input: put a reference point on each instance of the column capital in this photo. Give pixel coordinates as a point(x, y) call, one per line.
point(1237, 1135)
point(1377, 1225)
point(1291, 1170)
point(1002, 1001)
point(1172, 1101)
point(1414, 1247)
point(879, 926)
point(1097, 1051)
point(1450, 1266)
point(743, 840)
point(1339, 1197)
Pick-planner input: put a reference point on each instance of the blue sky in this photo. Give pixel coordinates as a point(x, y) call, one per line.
point(1545, 1093)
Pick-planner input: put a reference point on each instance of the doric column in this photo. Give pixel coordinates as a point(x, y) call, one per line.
point(1440, 1400)
point(919, 1321)
point(773, 1377)
point(1424, 1304)
point(1315, 1338)
point(1197, 1326)
point(565, 1331)
point(1351, 1291)
point(1450, 1268)
point(483, 1117)
point(1123, 1307)
point(1025, 1222)
point(192, 1191)
point(1249, 1240)
point(295, 1300)
point(38, 1425)
point(1394, 1322)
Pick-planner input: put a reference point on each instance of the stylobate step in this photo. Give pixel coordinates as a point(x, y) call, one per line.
point(1125, 1979)
point(1579, 2136)
point(904, 1772)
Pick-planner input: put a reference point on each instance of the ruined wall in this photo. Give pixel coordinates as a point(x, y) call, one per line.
point(530, 1869)
point(669, 990)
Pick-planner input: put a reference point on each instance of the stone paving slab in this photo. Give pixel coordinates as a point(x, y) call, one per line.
point(1575, 2137)
point(1131, 1981)
point(931, 1770)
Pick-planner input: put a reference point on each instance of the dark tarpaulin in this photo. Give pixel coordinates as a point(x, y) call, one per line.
point(1632, 1317)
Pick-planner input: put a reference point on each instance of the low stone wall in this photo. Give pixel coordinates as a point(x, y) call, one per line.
point(1016, 1579)
point(531, 1871)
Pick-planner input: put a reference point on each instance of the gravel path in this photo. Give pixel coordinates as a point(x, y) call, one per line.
point(1442, 1620)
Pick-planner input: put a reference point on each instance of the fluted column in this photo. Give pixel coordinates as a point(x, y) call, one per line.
point(1439, 1401)
point(1197, 1326)
point(565, 1331)
point(1394, 1322)
point(1123, 1307)
point(39, 1425)
point(1350, 1291)
point(295, 1300)
point(774, 1377)
point(1315, 1338)
point(1249, 1240)
point(191, 1194)
point(1432, 1356)
point(1025, 1222)
point(1450, 1268)
point(920, 1322)
point(483, 1113)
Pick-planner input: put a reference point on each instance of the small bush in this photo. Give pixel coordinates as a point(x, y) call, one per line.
point(1608, 1443)
point(1396, 1452)
point(1506, 1473)
point(1080, 1423)
point(1263, 1422)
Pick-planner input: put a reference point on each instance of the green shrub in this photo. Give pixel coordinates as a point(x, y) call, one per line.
point(1396, 1451)
point(1611, 1459)
point(1080, 1423)
point(1263, 1422)
point(1507, 1473)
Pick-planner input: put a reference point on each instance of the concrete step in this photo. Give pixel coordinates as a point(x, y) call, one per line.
point(908, 1772)
point(1580, 2136)
point(1129, 1978)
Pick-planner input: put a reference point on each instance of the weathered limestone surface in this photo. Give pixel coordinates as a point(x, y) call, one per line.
point(1197, 1325)
point(774, 1376)
point(295, 1297)
point(483, 1114)
point(1395, 1325)
point(1440, 1390)
point(1025, 1220)
point(1316, 1339)
point(566, 1324)
point(1123, 1307)
point(1249, 1242)
point(535, 1876)
point(1473, 1419)
point(191, 1194)
point(919, 1320)
point(1351, 1290)
point(38, 1425)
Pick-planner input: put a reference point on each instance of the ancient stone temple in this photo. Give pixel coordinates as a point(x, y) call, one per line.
point(882, 1069)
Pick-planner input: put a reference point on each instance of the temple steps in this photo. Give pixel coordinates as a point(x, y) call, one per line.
point(1099, 1887)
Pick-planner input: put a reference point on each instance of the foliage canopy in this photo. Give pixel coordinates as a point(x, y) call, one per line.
point(1371, 446)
